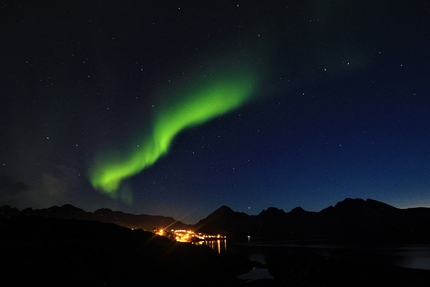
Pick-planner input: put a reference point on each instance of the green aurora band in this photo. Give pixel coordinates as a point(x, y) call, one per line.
point(188, 105)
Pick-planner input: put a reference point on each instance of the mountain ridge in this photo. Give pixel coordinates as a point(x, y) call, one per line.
point(105, 215)
point(351, 219)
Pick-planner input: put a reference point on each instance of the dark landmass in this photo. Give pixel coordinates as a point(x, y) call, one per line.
point(352, 220)
point(132, 221)
point(68, 252)
point(69, 246)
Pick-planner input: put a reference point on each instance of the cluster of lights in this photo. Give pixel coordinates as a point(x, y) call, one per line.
point(187, 235)
point(214, 236)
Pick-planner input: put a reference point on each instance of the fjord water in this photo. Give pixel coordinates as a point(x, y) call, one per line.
point(219, 245)
point(415, 256)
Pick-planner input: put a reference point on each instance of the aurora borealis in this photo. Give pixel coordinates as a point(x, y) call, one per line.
point(179, 107)
point(212, 95)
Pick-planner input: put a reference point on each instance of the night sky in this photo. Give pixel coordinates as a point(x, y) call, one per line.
point(178, 107)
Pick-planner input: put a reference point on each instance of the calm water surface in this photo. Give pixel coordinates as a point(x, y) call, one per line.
point(407, 255)
point(221, 246)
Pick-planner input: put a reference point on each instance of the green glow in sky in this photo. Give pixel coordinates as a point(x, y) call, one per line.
point(193, 102)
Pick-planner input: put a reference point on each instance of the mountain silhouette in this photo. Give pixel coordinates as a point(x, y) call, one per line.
point(105, 215)
point(348, 220)
point(227, 222)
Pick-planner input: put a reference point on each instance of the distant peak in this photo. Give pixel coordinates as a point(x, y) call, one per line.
point(379, 204)
point(224, 208)
point(101, 210)
point(298, 210)
point(359, 206)
point(349, 202)
point(272, 211)
point(67, 205)
point(72, 207)
point(361, 202)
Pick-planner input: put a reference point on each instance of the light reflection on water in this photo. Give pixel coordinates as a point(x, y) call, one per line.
point(219, 245)
point(413, 256)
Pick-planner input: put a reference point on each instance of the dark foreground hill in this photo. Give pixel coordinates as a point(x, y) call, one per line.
point(68, 252)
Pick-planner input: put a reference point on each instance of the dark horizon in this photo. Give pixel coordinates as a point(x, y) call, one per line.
point(221, 207)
